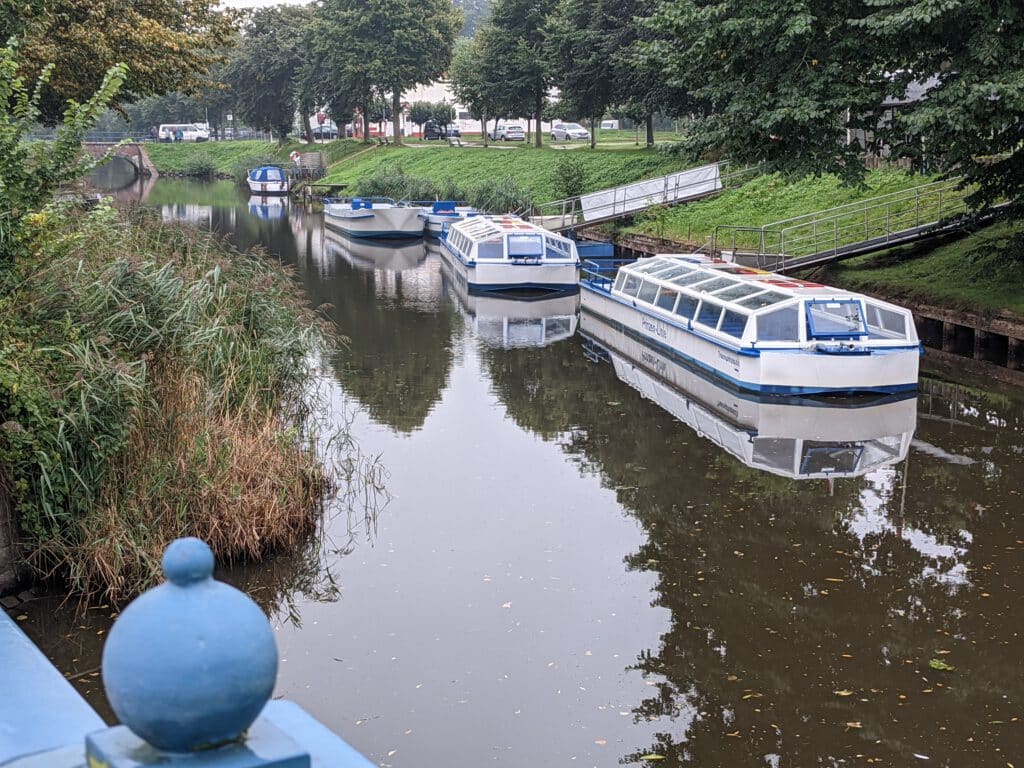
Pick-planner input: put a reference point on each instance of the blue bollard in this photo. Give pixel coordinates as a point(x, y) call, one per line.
point(189, 668)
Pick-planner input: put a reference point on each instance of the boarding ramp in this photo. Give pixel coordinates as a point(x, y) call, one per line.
point(635, 198)
point(848, 230)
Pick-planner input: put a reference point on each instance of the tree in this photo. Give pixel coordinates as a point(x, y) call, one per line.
point(30, 172)
point(583, 39)
point(472, 78)
point(264, 69)
point(393, 45)
point(168, 45)
point(420, 112)
point(474, 13)
point(517, 46)
point(442, 112)
point(788, 84)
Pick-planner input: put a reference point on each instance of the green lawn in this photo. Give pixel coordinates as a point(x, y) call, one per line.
point(983, 271)
point(534, 169)
point(767, 199)
point(225, 157)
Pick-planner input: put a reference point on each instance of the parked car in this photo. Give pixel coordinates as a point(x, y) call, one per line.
point(325, 132)
point(568, 131)
point(507, 133)
point(432, 130)
point(183, 132)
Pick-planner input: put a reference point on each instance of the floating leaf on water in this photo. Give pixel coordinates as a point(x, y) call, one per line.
point(735, 734)
point(600, 742)
point(854, 724)
point(844, 692)
point(835, 581)
point(650, 758)
point(940, 665)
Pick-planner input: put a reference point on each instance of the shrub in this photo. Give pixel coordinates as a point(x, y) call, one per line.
point(391, 180)
point(504, 195)
point(570, 177)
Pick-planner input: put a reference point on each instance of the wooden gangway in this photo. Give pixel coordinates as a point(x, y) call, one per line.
point(848, 230)
point(629, 200)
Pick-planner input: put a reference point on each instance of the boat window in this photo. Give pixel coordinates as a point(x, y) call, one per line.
point(668, 274)
point(885, 323)
point(557, 328)
point(714, 284)
point(667, 299)
point(826, 458)
point(774, 452)
point(525, 245)
point(781, 325)
point(763, 300)
point(620, 278)
point(692, 277)
point(648, 291)
point(738, 291)
point(835, 319)
point(491, 249)
point(709, 313)
point(557, 248)
point(733, 323)
point(687, 306)
point(631, 286)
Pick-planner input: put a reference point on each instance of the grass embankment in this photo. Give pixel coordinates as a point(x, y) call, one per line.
point(764, 200)
point(534, 170)
point(983, 271)
point(234, 158)
point(154, 385)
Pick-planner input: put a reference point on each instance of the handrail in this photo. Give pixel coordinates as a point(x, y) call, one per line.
point(842, 229)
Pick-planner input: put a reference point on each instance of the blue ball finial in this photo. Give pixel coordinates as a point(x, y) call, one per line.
point(190, 663)
point(187, 561)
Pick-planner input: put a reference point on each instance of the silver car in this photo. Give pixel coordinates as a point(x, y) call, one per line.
point(508, 133)
point(568, 131)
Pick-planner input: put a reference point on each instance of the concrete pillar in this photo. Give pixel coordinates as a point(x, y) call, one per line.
point(1014, 354)
point(981, 339)
point(948, 336)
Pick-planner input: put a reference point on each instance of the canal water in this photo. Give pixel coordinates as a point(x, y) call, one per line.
point(574, 563)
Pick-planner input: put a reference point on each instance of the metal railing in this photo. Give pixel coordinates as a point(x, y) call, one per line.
point(630, 200)
point(846, 229)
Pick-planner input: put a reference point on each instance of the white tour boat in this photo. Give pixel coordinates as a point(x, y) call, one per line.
point(795, 437)
point(758, 330)
point(500, 253)
point(268, 180)
point(506, 321)
point(436, 216)
point(373, 217)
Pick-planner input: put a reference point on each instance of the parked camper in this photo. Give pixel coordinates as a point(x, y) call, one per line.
point(183, 132)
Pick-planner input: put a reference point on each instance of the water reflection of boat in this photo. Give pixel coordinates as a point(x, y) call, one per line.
point(797, 437)
point(268, 206)
point(523, 319)
point(364, 253)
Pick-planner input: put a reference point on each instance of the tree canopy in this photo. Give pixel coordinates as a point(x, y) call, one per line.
point(807, 85)
point(168, 45)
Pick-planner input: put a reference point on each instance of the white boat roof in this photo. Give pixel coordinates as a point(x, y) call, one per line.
point(483, 228)
point(746, 289)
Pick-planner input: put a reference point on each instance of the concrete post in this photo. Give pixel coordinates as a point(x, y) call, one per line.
point(981, 343)
point(1014, 354)
point(948, 336)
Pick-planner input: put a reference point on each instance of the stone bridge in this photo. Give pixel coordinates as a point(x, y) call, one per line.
point(134, 153)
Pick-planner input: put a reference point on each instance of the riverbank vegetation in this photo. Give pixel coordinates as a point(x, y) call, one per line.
point(233, 159)
point(766, 199)
point(982, 272)
point(155, 385)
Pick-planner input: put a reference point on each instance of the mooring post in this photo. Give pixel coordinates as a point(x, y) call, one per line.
point(1014, 354)
point(981, 344)
point(189, 668)
point(948, 336)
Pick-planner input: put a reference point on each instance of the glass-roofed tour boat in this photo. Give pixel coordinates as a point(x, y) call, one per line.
point(500, 253)
point(758, 330)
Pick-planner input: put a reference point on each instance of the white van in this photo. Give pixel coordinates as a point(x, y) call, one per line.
point(609, 125)
point(183, 132)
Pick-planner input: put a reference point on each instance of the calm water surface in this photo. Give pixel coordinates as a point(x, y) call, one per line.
point(579, 565)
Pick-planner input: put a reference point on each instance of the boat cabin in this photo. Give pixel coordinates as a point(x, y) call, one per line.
point(752, 308)
point(508, 240)
point(268, 174)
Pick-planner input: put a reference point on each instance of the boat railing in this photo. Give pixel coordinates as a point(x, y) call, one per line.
point(372, 200)
point(600, 273)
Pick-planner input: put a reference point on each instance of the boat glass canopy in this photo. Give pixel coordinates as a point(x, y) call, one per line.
point(725, 297)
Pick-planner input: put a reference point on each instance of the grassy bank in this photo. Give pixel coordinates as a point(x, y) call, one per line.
point(154, 385)
point(983, 271)
point(764, 200)
point(233, 158)
point(534, 170)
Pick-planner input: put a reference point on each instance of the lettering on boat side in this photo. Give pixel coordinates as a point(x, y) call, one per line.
point(733, 361)
point(656, 328)
point(654, 362)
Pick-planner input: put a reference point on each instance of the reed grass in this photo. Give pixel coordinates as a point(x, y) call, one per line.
point(157, 386)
